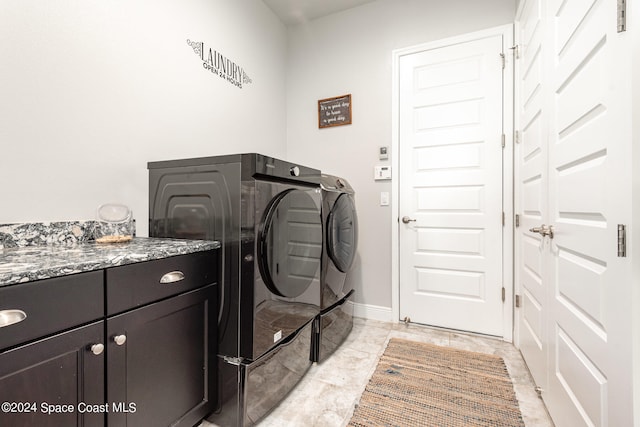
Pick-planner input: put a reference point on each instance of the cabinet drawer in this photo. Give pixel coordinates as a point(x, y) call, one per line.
point(50, 306)
point(133, 285)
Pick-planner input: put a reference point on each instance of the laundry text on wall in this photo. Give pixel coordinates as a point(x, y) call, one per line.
point(219, 65)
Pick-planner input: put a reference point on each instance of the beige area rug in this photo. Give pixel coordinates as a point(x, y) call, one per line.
point(419, 384)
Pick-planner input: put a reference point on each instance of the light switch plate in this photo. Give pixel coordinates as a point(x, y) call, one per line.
point(384, 198)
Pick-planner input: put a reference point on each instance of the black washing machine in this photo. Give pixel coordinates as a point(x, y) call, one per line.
point(266, 214)
point(340, 228)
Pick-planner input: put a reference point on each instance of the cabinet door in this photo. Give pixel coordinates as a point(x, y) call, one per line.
point(60, 375)
point(161, 362)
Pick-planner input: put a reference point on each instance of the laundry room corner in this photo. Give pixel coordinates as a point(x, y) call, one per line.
point(351, 53)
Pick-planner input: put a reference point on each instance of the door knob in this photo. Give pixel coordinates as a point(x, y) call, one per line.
point(544, 230)
point(549, 231)
point(407, 220)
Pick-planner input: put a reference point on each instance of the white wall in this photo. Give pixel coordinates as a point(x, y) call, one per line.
point(350, 52)
point(91, 90)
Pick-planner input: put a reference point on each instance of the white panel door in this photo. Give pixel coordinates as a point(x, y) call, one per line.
point(590, 328)
point(579, 314)
point(450, 128)
point(531, 196)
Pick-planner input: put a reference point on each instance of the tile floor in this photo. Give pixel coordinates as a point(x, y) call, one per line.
point(327, 395)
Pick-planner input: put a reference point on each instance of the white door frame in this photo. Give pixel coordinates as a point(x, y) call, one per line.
point(507, 173)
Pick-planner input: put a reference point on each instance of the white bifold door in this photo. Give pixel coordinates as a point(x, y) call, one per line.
point(572, 191)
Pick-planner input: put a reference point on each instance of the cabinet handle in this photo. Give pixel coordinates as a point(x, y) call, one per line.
point(172, 277)
point(97, 349)
point(11, 317)
point(120, 339)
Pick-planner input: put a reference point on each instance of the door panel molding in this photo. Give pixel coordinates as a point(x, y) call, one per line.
point(465, 158)
point(574, 327)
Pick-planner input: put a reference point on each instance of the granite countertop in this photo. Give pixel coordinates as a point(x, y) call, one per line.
point(29, 263)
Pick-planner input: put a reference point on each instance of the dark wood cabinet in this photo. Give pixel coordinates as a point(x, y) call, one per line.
point(161, 344)
point(162, 362)
point(49, 372)
point(56, 381)
point(127, 346)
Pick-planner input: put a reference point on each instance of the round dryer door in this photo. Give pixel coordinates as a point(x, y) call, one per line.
point(290, 243)
point(342, 233)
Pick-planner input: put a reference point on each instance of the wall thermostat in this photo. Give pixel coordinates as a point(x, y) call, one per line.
point(383, 153)
point(381, 172)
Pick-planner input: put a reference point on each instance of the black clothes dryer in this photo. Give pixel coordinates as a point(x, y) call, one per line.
point(266, 214)
point(340, 229)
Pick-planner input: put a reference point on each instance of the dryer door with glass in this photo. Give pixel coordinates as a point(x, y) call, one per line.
point(290, 243)
point(287, 286)
point(342, 233)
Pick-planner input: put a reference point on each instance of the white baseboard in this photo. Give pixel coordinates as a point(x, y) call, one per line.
point(373, 312)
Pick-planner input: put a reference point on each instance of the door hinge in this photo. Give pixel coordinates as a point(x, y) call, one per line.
point(516, 51)
point(504, 140)
point(539, 392)
point(517, 301)
point(504, 294)
point(622, 240)
point(504, 60)
point(517, 221)
point(622, 15)
point(516, 136)
point(504, 219)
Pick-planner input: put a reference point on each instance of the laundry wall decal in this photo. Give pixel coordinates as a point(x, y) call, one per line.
point(220, 65)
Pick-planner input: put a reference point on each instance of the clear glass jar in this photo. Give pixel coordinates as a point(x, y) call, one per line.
point(114, 223)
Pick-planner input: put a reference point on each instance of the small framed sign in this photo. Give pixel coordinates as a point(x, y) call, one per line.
point(334, 111)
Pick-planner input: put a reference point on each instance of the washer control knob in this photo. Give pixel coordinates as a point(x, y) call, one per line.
point(294, 171)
